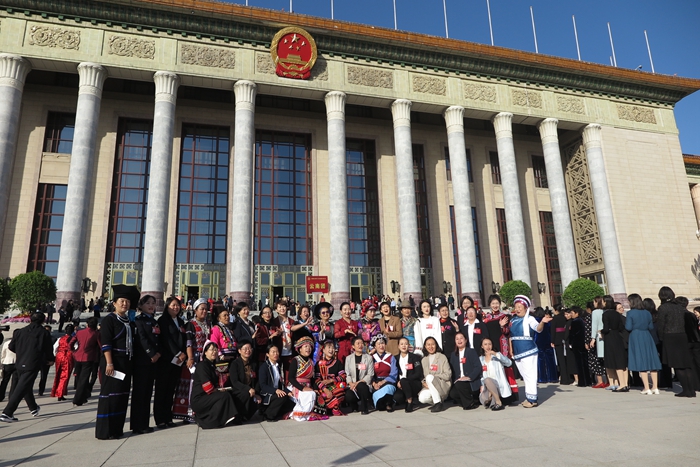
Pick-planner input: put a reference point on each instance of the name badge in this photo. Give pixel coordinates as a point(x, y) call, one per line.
point(361, 366)
point(433, 367)
point(463, 360)
point(409, 366)
point(484, 368)
point(428, 326)
point(156, 330)
point(376, 365)
point(477, 331)
point(253, 374)
point(182, 330)
point(391, 328)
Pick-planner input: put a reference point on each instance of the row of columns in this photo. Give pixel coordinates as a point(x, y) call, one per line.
point(14, 69)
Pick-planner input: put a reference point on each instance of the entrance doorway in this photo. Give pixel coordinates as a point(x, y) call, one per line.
point(192, 292)
point(277, 294)
point(355, 294)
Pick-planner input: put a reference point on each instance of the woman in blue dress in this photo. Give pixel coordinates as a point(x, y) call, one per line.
point(385, 377)
point(643, 356)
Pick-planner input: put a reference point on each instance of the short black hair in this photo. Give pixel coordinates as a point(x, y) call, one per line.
point(92, 322)
point(144, 299)
point(576, 309)
point(37, 317)
point(243, 342)
point(437, 346)
point(356, 338)
point(430, 306)
point(682, 301)
point(493, 297)
point(270, 347)
point(70, 329)
point(666, 294)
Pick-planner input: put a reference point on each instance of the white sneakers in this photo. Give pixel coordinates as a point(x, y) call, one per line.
point(7, 418)
point(35, 412)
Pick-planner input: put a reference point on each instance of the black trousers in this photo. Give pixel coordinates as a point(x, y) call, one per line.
point(359, 400)
point(584, 374)
point(695, 354)
point(277, 407)
point(409, 390)
point(141, 395)
point(43, 376)
point(9, 373)
point(86, 375)
point(461, 393)
point(167, 378)
point(23, 390)
point(562, 362)
point(245, 405)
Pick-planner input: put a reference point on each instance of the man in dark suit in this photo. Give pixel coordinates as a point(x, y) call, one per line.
point(32, 345)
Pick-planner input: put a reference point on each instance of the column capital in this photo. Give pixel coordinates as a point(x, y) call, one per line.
point(401, 111)
point(502, 124)
point(592, 135)
point(92, 77)
point(244, 92)
point(166, 86)
point(548, 130)
point(335, 105)
point(13, 70)
point(454, 119)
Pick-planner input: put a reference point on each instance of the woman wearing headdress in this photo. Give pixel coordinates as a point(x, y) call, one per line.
point(146, 355)
point(386, 375)
point(197, 330)
point(329, 381)
point(322, 329)
point(222, 335)
point(116, 336)
point(369, 327)
point(301, 375)
point(173, 340)
point(523, 346)
point(213, 406)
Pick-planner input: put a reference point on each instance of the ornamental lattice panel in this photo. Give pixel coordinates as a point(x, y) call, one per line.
point(582, 210)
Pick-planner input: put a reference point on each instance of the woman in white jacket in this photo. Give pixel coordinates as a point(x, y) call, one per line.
point(495, 389)
point(426, 326)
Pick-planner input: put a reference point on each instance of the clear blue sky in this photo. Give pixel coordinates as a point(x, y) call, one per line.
point(672, 26)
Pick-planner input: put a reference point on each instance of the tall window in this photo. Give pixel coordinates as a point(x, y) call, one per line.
point(203, 202)
point(127, 223)
point(422, 206)
point(503, 244)
point(540, 171)
point(59, 133)
point(448, 165)
point(455, 252)
point(47, 229)
point(495, 168)
point(363, 204)
point(551, 257)
point(283, 230)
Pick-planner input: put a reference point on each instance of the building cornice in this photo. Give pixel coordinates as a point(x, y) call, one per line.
point(235, 23)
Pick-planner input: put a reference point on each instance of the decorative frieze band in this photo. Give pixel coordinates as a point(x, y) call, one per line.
point(372, 77)
point(132, 47)
point(320, 70)
point(428, 85)
point(572, 105)
point(525, 98)
point(634, 113)
point(213, 57)
point(263, 64)
point(480, 92)
point(44, 36)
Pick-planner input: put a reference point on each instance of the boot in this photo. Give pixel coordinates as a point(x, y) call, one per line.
point(409, 407)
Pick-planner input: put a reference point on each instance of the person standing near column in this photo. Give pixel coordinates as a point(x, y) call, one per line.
point(146, 355)
point(87, 358)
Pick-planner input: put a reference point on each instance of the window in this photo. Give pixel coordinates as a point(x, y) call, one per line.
point(540, 172)
point(503, 244)
point(47, 229)
point(448, 165)
point(203, 195)
point(551, 257)
point(422, 206)
point(363, 204)
point(127, 220)
point(59, 133)
point(495, 168)
point(455, 252)
point(283, 213)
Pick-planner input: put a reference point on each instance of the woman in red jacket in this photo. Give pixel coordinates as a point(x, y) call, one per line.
point(64, 364)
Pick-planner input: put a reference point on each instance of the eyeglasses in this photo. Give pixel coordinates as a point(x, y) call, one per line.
point(325, 313)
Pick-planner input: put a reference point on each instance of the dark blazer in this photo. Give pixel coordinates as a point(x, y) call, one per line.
point(242, 332)
point(237, 376)
point(146, 344)
point(480, 335)
point(471, 367)
point(88, 346)
point(558, 329)
point(32, 345)
point(173, 338)
point(265, 378)
point(414, 374)
point(577, 336)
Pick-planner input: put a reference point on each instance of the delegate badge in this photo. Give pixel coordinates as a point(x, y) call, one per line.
point(293, 53)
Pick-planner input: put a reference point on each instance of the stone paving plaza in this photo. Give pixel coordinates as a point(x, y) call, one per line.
point(573, 426)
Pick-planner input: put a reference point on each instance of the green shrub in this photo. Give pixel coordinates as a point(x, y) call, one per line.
point(581, 291)
point(512, 288)
point(31, 290)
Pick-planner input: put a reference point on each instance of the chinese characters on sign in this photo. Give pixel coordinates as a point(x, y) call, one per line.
point(293, 53)
point(317, 284)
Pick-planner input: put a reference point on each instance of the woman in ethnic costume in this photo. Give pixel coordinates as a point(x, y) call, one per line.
point(408, 325)
point(116, 336)
point(386, 375)
point(214, 407)
point(197, 335)
point(301, 374)
point(64, 364)
point(322, 329)
point(330, 381)
point(146, 356)
point(369, 327)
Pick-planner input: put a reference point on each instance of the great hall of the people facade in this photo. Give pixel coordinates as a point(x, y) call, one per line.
point(155, 143)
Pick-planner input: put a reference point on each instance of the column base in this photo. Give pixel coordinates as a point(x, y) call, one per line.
point(160, 302)
point(242, 297)
point(337, 298)
point(622, 298)
point(63, 297)
point(417, 297)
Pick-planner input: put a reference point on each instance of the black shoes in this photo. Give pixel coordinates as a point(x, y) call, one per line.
point(389, 408)
point(144, 431)
point(409, 407)
point(471, 406)
point(437, 408)
point(497, 407)
point(624, 389)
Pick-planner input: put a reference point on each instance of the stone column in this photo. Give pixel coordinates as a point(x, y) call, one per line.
point(592, 142)
point(511, 197)
point(566, 250)
point(338, 188)
point(80, 178)
point(13, 71)
point(406, 190)
point(695, 196)
point(464, 224)
point(154, 250)
point(243, 191)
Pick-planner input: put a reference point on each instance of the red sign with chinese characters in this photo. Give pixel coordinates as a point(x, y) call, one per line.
point(316, 284)
point(293, 53)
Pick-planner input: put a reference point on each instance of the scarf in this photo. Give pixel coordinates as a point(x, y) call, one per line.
point(129, 338)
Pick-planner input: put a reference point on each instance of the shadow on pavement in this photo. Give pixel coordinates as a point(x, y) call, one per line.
point(6, 463)
point(356, 455)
